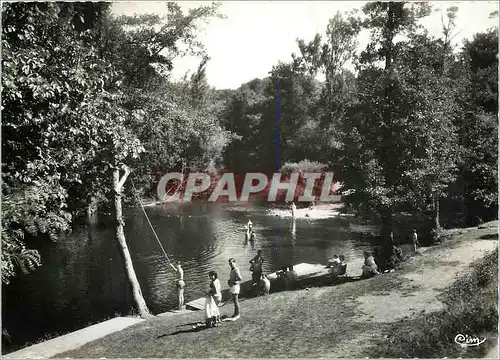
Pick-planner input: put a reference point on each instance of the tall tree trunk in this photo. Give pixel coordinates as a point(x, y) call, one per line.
point(387, 244)
point(120, 237)
point(437, 224)
point(389, 36)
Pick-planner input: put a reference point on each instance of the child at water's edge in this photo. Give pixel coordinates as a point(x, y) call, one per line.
point(180, 285)
point(216, 293)
point(212, 300)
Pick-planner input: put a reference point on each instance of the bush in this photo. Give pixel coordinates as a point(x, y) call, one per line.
point(302, 166)
point(470, 308)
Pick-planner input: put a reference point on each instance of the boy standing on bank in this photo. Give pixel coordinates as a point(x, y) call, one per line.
point(234, 287)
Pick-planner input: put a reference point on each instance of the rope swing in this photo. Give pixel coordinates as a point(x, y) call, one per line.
point(152, 228)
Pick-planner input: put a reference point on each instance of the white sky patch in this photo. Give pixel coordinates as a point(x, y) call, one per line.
point(257, 34)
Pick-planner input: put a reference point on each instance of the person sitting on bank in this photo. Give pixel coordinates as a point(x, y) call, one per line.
point(282, 278)
point(343, 265)
point(292, 277)
point(369, 266)
point(338, 267)
point(265, 285)
point(333, 261)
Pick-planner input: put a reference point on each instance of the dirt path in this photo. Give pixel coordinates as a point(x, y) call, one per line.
point(421, 282)
point(327, 321)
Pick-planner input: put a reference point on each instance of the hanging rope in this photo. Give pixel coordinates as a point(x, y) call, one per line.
point(152, 228)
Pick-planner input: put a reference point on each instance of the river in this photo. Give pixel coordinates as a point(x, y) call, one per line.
point(82, 280)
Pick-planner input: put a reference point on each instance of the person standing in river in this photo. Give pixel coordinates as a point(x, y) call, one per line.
point(294, 209)
point(247, 235)
point(180, 285)
point(234, 287)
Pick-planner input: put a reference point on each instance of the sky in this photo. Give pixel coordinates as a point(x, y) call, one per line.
point(255, 35)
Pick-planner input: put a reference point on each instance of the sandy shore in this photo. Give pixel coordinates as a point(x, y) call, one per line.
point(320, 211)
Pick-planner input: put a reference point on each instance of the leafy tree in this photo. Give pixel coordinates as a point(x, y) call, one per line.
point(328, 59)
point(50, 81)
point(71, 112)
point(244, 116)
point(293, 96)
point(401, 139)
point(478, 126)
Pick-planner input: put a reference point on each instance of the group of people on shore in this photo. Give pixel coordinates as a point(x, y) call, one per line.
point(213, 294)
point(337, 266)
point(386, 259)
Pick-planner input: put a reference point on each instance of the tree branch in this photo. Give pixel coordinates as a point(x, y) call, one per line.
point(121, 182)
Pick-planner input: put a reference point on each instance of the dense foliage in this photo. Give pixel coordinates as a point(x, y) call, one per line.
point(85, 92)
point(413, 126)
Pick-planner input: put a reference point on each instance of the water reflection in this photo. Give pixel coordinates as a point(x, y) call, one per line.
point(83, 279)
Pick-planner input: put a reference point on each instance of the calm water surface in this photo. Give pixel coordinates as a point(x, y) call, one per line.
point(82, 279)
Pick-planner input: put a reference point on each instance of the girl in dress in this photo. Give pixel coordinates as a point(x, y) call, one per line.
point(212, 301)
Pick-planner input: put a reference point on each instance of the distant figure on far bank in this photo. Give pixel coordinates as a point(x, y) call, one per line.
point(294, 209)
point(369, 266)
point(414, 238)
point(180, 285)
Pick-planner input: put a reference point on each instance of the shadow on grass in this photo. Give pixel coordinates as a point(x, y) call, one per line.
point(489, 237)
point(195, 327)
point(192, 330)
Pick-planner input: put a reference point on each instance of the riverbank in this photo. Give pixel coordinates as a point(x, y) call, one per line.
point(348, 320)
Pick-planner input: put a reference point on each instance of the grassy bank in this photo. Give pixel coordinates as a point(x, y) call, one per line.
point(366, 318)
point(470, 307)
